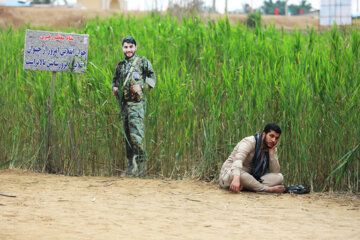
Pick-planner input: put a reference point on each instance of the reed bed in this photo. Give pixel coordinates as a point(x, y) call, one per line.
point(217, 83)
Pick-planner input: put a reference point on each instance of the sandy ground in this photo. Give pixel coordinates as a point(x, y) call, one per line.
point(62, 207)
point(65, 17)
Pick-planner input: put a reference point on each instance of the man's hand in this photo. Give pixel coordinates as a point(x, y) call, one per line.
point(135, 88)
point(115, 89)
point(235, 184)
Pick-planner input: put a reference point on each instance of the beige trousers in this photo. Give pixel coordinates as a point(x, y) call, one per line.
point(250, 183)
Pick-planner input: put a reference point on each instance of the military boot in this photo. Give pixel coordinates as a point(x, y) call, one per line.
point(132, 167)
point(142, 168)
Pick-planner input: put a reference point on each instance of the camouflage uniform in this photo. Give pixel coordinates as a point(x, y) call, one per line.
point(133, 108)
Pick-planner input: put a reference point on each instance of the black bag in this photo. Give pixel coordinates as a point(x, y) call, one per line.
point(297, 189)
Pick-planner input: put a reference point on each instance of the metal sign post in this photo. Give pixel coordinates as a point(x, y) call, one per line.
point(49, 159)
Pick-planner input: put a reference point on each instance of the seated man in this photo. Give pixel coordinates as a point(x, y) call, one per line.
point(254, 164)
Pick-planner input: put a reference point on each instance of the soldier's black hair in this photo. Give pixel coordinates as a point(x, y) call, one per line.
point(129, 39)
point(272, 126)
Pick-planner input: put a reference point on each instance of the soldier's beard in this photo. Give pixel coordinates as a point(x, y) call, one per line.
point(265, 143)
point(127, 57)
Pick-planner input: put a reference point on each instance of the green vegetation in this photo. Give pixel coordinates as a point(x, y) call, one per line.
point(253, 19)
point(216, 84)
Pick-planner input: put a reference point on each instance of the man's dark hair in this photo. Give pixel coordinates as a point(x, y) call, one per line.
point(272, 126)
point(129, 39)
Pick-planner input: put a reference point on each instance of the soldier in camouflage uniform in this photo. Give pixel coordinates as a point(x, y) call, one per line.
point(132, 77)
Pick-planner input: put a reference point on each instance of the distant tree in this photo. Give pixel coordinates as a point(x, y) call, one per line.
point(207, 9)
point(246, 7)
point(196, 5)
point(41, 1)
point(269, 7)
point(188, 6)
point(237, 11)
point(295, 9)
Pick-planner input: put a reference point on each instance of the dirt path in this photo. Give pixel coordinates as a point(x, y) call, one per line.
point(62, 207)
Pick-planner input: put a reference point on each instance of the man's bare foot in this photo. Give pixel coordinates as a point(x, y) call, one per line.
point(276, 189)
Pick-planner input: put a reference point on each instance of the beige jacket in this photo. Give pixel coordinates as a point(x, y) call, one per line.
point(242, 156)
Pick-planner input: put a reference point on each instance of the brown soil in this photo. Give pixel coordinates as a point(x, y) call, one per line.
point(65, 17)
point(63, 207)
point(49, 17)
